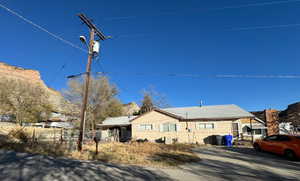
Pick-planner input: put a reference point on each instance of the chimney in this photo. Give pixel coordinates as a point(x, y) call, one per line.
point(272, 121)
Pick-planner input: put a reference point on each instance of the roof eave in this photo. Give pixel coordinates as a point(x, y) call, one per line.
point(160, 111)
point(111, 125)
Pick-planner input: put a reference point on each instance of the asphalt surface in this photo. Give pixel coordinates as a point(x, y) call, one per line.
point(217, 164)
point(221, 163)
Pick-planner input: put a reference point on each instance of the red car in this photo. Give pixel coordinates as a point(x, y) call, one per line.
point(286, 145)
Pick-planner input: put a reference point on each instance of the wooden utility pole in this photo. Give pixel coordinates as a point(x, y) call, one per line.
point(93, 31)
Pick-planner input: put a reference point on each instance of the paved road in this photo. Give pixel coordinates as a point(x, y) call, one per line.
point(237, 164)
point(33, 167)
point(217, 164)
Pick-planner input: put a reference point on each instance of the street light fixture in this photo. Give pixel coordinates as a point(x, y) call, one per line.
point(83, 40)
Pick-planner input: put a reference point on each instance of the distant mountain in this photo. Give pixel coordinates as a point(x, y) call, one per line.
point(291, 114)
point(33, 77)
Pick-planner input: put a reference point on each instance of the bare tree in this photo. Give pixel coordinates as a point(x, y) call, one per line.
point(102, 101)
point(147, 103)
point(159, 100)
point(28, 102)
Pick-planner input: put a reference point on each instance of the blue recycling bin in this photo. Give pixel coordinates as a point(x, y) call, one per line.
point(228, 140)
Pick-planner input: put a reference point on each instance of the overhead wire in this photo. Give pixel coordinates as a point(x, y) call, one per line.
point(49, 33)
point(278, 76)
point(181, 75)
point(42, 28)
point(118, 18)
point(264, 27)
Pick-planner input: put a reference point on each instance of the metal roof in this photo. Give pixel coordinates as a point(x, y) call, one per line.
point(210, 112)
point(123, 120)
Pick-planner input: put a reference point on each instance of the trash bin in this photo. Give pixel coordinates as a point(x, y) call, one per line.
point(219, 139)
point(228, 140)
point(213, 140)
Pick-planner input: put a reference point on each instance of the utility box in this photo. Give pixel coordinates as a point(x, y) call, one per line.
point(96, 47)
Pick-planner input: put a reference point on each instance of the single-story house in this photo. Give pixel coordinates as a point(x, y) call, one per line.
point(195, 124)
point(189, 124)
point(116, 128)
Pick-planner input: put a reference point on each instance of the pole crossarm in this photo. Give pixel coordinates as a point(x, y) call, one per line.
point(92, 26)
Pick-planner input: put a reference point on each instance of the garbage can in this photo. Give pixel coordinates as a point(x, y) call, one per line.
point(219, 139)
point(228, 140)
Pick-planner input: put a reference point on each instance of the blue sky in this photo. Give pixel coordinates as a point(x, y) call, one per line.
point(155, 38)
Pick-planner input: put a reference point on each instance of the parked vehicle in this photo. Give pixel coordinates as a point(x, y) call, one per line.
point(286, 145)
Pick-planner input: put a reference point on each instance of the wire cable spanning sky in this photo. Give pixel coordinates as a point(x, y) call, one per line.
point(143, 35)
point(179, 75)
point(168, 13)
point(265, 27)
point(42, 29)
point(294, 76)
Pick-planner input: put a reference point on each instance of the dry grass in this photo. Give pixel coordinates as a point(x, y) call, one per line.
point(143, 154)
point(134, 153)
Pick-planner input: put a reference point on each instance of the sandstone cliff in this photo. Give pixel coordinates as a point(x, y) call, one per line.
point(130, 108)
point(33, 77)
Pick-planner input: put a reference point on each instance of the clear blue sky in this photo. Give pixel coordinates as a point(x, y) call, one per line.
point(157, 38)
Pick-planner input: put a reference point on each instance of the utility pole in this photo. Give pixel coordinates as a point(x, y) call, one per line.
point(93, 30)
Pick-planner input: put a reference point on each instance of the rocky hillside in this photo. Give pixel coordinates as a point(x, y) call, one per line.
point(33, 77)
point(130, 108)
point(59, 104)
point(291, 114)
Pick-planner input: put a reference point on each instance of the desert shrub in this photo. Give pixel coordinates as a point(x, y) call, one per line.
point(19, 134)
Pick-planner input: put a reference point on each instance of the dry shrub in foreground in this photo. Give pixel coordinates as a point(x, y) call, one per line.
point(151, 154)
point(144, 154)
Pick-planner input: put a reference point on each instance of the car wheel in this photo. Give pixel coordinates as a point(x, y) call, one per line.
point(256, 147)
point(289, 154)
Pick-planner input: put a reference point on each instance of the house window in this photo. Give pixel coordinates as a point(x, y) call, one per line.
point(145, 127)
point(169, 127)
point(257, 131)
point(205, 126)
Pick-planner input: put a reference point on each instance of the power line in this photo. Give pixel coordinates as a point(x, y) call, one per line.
point(261, 76)
point(58, 72)
point(264, 27)
point(203, 10)
point(42, 29)
point(255, 4)
point(290, 76)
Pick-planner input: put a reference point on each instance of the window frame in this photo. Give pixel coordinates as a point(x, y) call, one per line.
point(255, 133)
point(145, 127)
point(168, 125)
point(205, 126)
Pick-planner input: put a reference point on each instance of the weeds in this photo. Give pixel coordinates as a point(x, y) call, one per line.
point(134, 153)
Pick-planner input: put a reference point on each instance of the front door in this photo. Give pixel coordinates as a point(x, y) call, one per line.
point(235, 129)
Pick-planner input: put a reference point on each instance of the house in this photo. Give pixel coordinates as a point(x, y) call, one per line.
point(195, 124)
point(116, 128)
